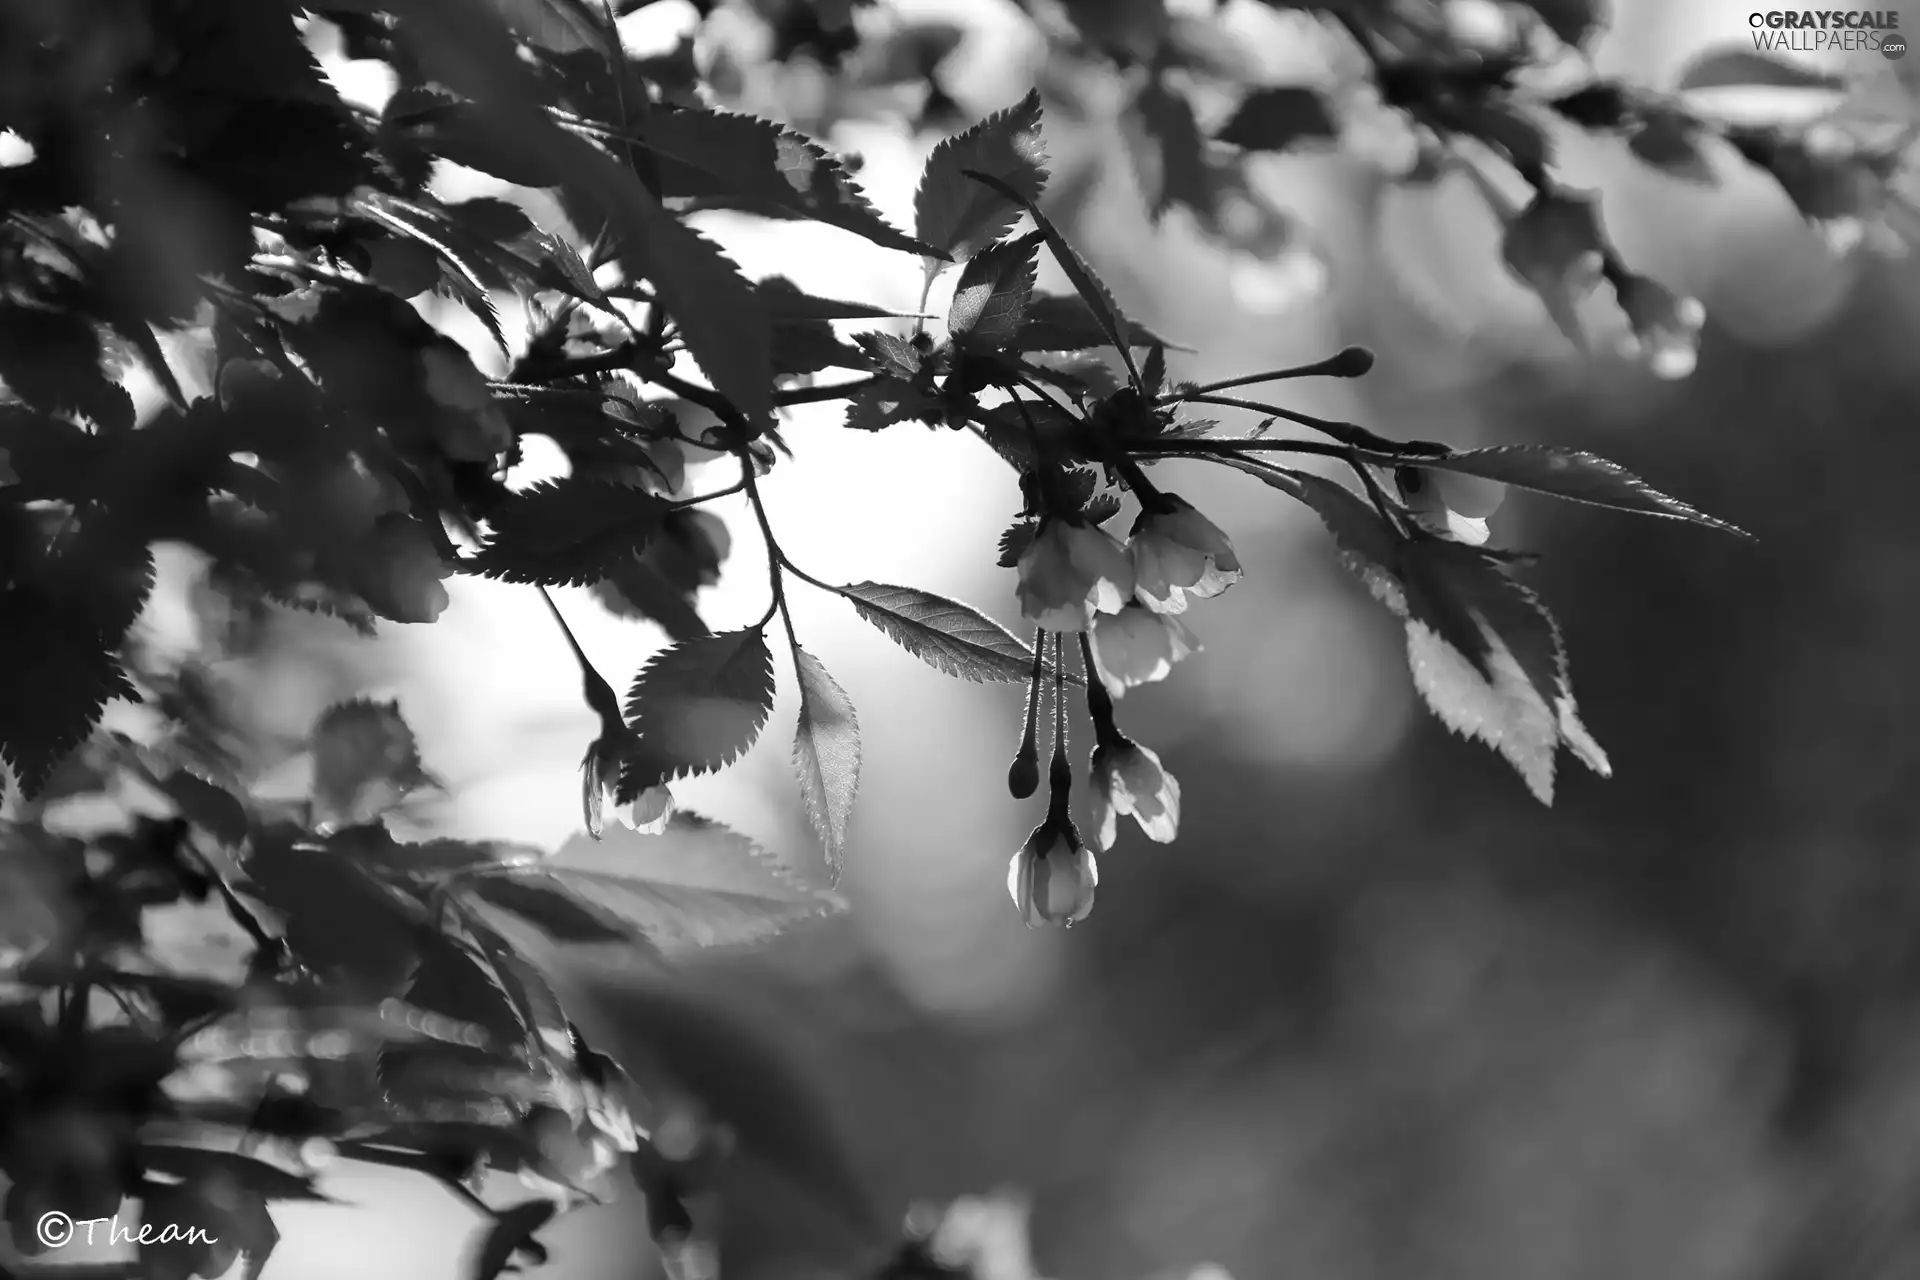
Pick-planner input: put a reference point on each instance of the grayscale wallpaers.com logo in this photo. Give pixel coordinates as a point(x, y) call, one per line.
point(1825, 30)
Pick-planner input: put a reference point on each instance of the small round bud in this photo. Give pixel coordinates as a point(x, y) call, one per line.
point(1350, 362)
point(1023, 778)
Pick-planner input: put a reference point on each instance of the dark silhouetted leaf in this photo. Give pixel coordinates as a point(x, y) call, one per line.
point(559, 26)
point(956, 215)
point(1278, 118)
point(511, 1233)
point(786, 302)
point(1058, 322)
point(695, 885)
point(374, 848)
point(365, 762)
point(336, 915)
point(213, 809)
point(1734, 67)
point(948, 636)
point(826, 754)
point(571, 532)
point(63, 614)
point(699, 704)
point(766, 165)
point(990, 300)
point(890, 401)
point(1565, 473)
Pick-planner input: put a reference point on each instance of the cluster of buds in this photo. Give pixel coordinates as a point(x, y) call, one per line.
point(1124, 601)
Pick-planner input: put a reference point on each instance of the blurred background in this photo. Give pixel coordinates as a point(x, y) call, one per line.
point(1377, 1013)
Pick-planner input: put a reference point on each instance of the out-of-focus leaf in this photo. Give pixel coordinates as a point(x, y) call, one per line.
point(703, 152)
point(571, 532)
point(196, 1164)
point(990, 300)
point(560, 26)
point(511, 1233)
point(1278, 118)
point(676, 1040)
point(1732, 66)
point(952, 638)
point(374, 848)
point(213, 809)
point(336, 915)
point(695, 885)
point(826, 754)
point(786, 301)
point(955, 214)
point(365, 762)
point(1574, 21)
point(1565, 473)
point(1170, 157)
point(553, 908)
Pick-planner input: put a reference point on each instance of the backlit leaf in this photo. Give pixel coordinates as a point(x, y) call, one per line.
point(1565, 473)
point(826, 754)
point(990, 300)
point(956, 215)
point(699, 704)
point(952, 638)
point(1729, 67)
point(550, 906)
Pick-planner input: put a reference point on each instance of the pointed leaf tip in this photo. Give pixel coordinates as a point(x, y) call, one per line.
point(951, 212)
point(952, 638)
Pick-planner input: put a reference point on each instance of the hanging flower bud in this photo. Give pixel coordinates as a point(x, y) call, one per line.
point(1176, 551)
point(1664, 327)
point(1053, 877)
point(1129, 779)
point(599, 773)
point(1139, 646)
point(1556, 246)
point(1449, 504)
point(1069, 567)
point(651, 811)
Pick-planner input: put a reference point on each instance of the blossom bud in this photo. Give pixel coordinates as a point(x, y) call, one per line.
point(1053, 877)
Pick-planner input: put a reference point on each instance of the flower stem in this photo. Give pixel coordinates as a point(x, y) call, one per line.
point(1059, 772)
point(1099, 702)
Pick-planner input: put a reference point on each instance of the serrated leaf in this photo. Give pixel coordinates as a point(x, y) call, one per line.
point(764, 164)
point(1730, 67)
point(1564, 473)
point(375, 849)
point(63, 615)
point(699, 704)
point(787, 302)
point(1063, 322)
point(1089, 286)
point(890, 353)
point(990, 300)
point(571, 268)
point(890, 401)
point(551, 907)
point(826, 755)
point(956, 215)
point(695, 885)
point(1485, 654)
point(1015, 541)
point(1277, 118)
point(365, 762)
point(571, 532)
point(952, 638)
